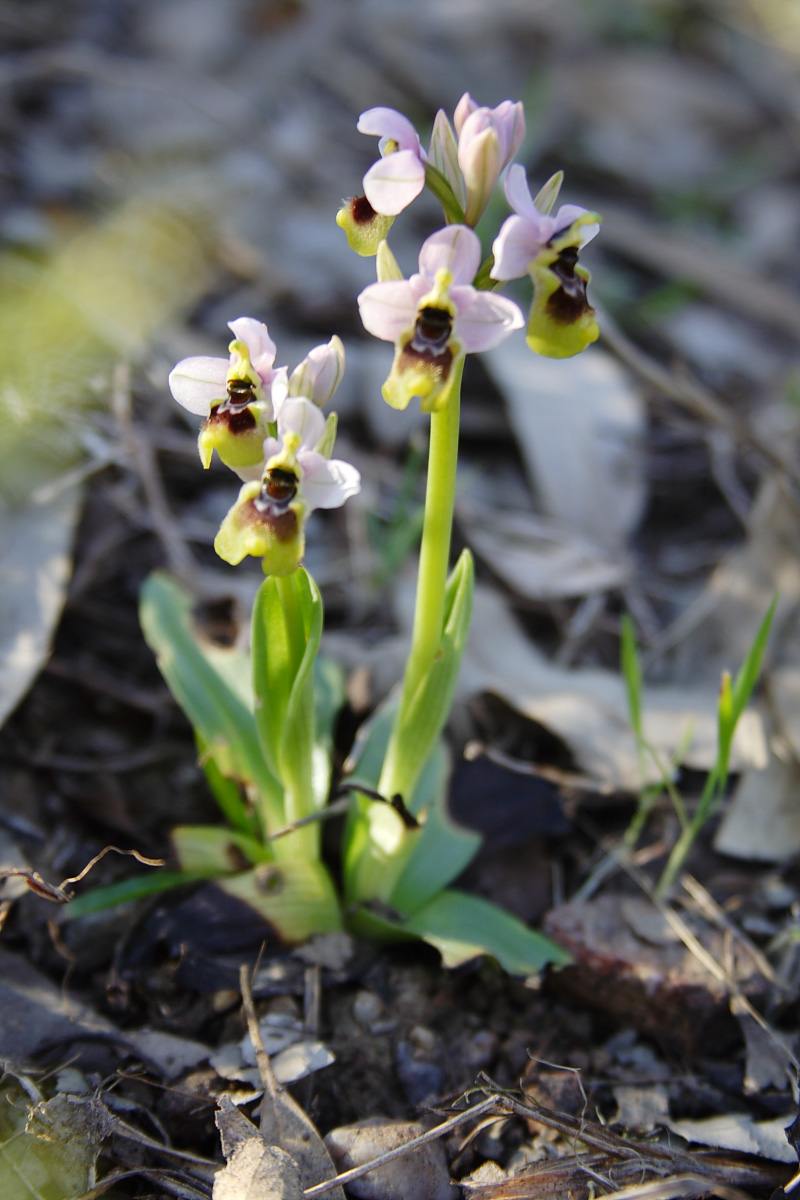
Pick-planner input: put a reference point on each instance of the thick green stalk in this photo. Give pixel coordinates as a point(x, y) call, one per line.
point(434, 565)
point(296, 767)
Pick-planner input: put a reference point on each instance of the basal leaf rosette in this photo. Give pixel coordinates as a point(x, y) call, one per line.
point(435, 318)
point(268, 519)
point(546, 246)
point(234, 394)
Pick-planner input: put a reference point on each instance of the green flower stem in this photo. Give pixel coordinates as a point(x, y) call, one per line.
point(432, 579)
point(298, 800)
point(689, 833)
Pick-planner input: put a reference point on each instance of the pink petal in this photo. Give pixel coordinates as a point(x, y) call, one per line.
point(465, 107)
point(279, 388)
point(326, 483)
point(394, 181)
point(300, 416)
point(389, 309)
point(515, 246)
point(255, 336)
point(389, 123)
point(518, 193)
point(567, 214)
point(483, 319)
point(455, 249)
point(197, 382)
point(510, 119)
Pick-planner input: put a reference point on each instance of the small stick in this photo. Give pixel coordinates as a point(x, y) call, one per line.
point(268, 1121)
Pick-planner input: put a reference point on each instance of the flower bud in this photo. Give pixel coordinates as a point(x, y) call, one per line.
point(320, 373)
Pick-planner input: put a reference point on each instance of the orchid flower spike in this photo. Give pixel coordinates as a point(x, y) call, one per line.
point(234, 394)
point(545, 246)
point(488, 139)
point(435, 318)
point(268, 519)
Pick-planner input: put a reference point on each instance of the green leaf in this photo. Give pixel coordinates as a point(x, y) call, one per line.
point(210, 684)
point(226, 791)
point(128, 890)
point(442, 849)
point(734, 697)
point(438, 852)
point(297, 897)
point(462, 926)
point(429, 707)
point(287, 627)
point(211, 850)
point(329, 696)
point(632, 673)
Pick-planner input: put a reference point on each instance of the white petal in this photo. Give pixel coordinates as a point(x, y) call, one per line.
point(389, 123)
point(393, 182)
point(456, 249)
point(298, 415)
point(515, 247)
point(327, 483)
point(255, 336)
point(465, 107)
point(483, 320)
point(518, 193)
point(197, 382)
point(389, 309)
point(279, 388)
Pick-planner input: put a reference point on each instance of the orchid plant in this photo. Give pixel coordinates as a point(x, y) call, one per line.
point(264, 728)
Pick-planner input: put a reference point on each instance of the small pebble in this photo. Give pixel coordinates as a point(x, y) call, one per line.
point(422, 1174)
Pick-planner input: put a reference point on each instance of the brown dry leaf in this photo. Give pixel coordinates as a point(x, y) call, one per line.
point(538, 558)
point(587, 707)
point(762, 822)
point(579, 424)
point(738, 1131)
point(36, 541)
point(256, 1171)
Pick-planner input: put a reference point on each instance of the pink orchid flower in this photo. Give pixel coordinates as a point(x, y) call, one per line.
point(436, 317)
point(398, 176)
point(524, 235)
point(201, 382)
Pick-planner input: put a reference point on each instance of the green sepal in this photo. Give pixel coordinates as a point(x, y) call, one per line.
point(328, 440)
point(547, 195)
point(364, 228)
point(295, 896)
point(387, 268)
point(211, 684)
point(213, 850)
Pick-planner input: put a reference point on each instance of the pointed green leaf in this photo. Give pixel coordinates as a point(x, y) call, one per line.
point(632, 674)
point(442, 849)
point(462, 926)
point(127, 890)
point(209, 683)
point(226, 791)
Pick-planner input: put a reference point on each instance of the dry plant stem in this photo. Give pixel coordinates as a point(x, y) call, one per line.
point(431, 1135)
point(434, 564)
point(268, 1125)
